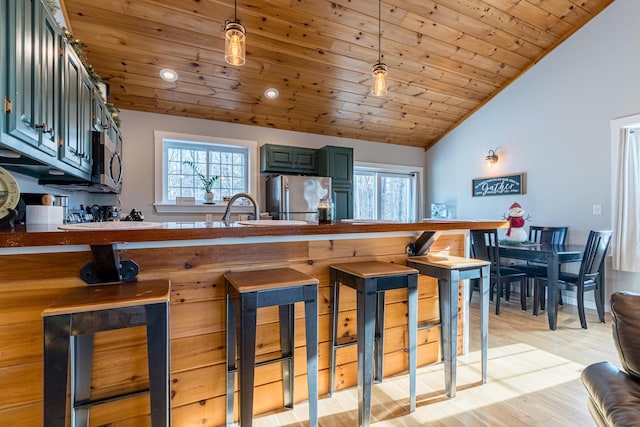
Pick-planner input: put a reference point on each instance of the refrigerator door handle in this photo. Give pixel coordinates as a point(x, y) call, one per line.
point(286, 204)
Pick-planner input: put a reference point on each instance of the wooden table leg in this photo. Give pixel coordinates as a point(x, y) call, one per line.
point(552, 290)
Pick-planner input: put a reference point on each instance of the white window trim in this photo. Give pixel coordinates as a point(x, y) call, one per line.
point(160, 174)
point(417, 170)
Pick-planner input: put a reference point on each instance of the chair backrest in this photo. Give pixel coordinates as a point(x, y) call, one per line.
point(594, 253)
point(552, 235)
point(484, 245)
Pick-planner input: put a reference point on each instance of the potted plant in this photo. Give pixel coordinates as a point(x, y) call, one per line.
point(207, 182)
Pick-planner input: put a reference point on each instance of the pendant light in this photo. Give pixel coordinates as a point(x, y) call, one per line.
point(379, 73)
point(234, 38)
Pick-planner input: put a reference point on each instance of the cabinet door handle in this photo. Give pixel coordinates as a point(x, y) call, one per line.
point(43, 128)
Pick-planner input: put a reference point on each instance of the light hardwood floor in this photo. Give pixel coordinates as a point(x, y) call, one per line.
point(533, 379)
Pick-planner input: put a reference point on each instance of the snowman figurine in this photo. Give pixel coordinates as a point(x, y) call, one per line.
point(516, 232)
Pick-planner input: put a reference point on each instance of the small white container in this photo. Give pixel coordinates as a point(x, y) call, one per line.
point(37, 214)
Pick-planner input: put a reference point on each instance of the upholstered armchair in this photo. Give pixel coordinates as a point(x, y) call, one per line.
point(614, 394)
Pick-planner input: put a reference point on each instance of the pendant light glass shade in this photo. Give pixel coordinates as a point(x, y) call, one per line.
point(379, 80)
point(234, 43)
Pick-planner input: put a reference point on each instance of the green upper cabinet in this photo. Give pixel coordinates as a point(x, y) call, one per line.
point(32, 101)
point(100, 114)
point(77, 113)
point(336, 162)
point(287, 159)
point(47, 94)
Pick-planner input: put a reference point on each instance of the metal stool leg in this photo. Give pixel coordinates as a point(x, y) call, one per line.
point(366, 336)
point(448, 291)
point(248, 317)
point(56, 362)
point(311, 332)
point(452, 316)
point(334, 331)
point(81, 364)
point(379, 341)
point(440, 304)
point(231, 354)
point(158, 357)
point(412, 301)
point(484, 319)
point(287, 320)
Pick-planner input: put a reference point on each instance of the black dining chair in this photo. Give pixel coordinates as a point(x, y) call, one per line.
point(543, 235)
point(484, 245)
point(587, 278)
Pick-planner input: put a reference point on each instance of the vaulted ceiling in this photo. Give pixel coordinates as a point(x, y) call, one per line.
point(446, 58)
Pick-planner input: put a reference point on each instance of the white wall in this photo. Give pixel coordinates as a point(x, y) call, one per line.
point(138, 152)
point(552, 123)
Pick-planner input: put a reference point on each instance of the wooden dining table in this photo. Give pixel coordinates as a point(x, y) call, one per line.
point(554, 256)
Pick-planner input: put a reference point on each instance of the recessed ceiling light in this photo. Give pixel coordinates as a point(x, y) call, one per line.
point(271, 93)
point(55, 172)
point(169, 75)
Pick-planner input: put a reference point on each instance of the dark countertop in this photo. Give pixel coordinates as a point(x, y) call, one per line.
point(50, 235)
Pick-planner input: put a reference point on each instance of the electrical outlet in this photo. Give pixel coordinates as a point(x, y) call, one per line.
point(597, 210)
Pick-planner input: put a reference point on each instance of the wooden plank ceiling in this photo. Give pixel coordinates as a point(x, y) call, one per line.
point(445, 58)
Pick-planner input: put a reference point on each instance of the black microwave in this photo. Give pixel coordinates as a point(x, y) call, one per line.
point(106, 170)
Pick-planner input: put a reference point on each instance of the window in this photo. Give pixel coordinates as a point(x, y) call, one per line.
point(229, 164)
point(230, 160)
point(385, 193)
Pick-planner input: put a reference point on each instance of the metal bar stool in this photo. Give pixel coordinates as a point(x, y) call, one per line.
point(371, 280)
point(69, 326)
point(249, 290)
point(449, 271)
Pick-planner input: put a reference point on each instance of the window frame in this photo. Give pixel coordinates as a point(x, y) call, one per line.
point(160, 174)
point(382, 169)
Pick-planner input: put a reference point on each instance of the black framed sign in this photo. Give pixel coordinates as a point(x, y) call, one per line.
point(498, 185)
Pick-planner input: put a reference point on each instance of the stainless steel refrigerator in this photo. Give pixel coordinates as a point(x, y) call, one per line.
point(295, 197)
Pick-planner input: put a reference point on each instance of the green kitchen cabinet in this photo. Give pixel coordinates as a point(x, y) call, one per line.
point(287, 159)
point(116, 136)
point(343, 202)
point(337, 162)
point(104, 122)
point(32, 100)
point(100, 114)
point(77, 113)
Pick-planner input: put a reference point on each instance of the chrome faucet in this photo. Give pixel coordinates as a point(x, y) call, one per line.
point(227, 212)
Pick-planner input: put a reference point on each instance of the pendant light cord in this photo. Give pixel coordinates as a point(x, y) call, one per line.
point(235, 10)
point(379, 29)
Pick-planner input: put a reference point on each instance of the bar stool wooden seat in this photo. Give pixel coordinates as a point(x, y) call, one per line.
point(449, 270)
point(246, 292)
point(371, 280)
point(69, 326)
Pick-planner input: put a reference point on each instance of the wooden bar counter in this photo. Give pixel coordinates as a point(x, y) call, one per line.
point(40, 263)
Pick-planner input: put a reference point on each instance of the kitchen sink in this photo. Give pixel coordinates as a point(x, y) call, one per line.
point(271, 222)
point(111, 225)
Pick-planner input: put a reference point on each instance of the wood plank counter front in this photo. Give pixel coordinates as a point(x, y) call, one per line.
point(39, 264)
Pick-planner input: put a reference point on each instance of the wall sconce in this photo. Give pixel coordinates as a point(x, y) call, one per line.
point(491, 158)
